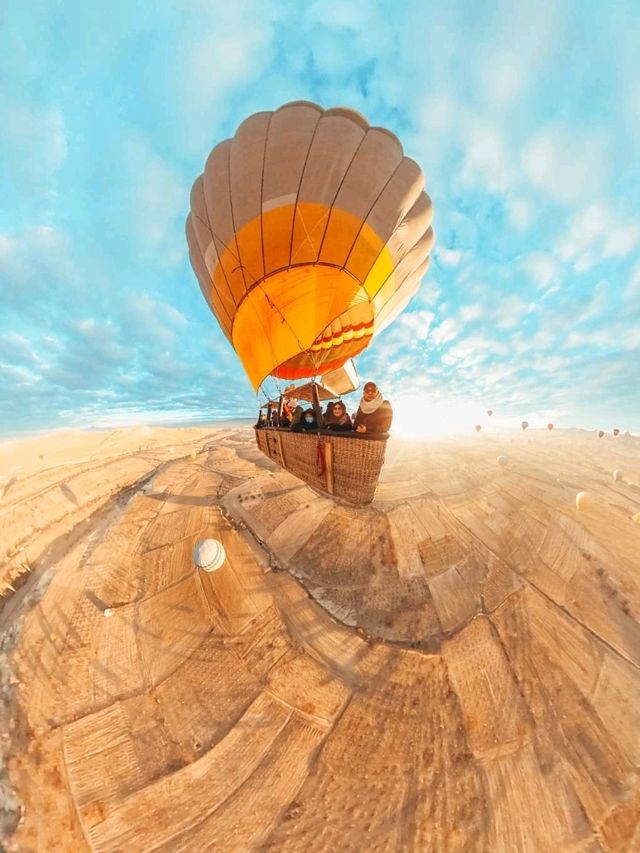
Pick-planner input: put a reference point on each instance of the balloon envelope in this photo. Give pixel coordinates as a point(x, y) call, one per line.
point(584, 501)
point(309, 232)
point(616, 432)
point(549, 427)
point(477, 427)
point(502, 460)
point(600, 433)
point(489, 412)
point(524, 425)
point(209, 555)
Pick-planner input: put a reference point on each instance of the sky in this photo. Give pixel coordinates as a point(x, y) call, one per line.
point(525, 118)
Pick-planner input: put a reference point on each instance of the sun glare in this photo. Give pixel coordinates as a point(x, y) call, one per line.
point(416, 417)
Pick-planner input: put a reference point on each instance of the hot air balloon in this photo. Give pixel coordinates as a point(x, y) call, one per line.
point(524, 425)
point(489, 412)
point(584, 501)
point(616, 432)
point(209, 555)
point(477, 427)
point(502, 460)
point(549, 427)
point(600, 433)
point(309, 232)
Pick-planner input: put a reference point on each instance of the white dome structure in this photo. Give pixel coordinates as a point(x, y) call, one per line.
point(209, 555)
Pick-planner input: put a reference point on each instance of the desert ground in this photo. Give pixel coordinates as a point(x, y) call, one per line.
point(454, 667)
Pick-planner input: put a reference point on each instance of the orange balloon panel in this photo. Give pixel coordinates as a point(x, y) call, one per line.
point(292, 311)
point(280, 317)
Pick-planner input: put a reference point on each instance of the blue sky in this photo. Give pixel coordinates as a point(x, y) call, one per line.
point(525, 118)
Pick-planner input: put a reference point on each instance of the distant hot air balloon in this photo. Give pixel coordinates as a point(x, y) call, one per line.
point(489, 412)
point(477, 427)
point(524, 425)
point(617, 475)
point(584, 501)
point(502, 460)
point(616, 432)
point(549, 427)
point(209, 555)
point(600, 433)
point(309, 232)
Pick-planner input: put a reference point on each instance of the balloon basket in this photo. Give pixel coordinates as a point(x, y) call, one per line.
point(342, 466)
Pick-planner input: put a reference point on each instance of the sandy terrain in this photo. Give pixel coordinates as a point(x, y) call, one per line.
point(455, 667)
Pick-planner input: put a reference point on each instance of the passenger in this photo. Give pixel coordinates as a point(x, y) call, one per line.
point(308, 420)
point(340, 419)
point(288, 408)
point(272, 414)
point(374, 413)
point(296, 419)
point(328, 412)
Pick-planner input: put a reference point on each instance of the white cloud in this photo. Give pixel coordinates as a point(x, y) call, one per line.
point(509, 311)
point(157, 196)
point(34, 145)
point(478, 346)
point(596, 233)
point(565, 164)
point(36, 271)
point(632, 290)
point(224, 46)
point(521, 212)
point(151, 319)
point(542, 268)
point(448, 257)
point(514, 53)
point(622, 240)
point(416, 323)
point(446, 331)
point(593, 338)
point(469, 313)
point(486, 159)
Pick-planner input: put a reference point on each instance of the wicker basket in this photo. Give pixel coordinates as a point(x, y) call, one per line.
point(345, 466)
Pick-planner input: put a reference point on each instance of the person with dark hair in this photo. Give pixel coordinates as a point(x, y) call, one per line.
point(339, 419)
point(374, 413)
point(296, 418)
point(309, 420)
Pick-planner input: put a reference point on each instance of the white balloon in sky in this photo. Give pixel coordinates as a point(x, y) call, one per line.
point(617, 474)
point(209, 555)
point(583, 501)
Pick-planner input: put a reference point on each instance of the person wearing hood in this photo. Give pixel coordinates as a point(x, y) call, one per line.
point(296, 417)
point(374, 413)
point(338, 419)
